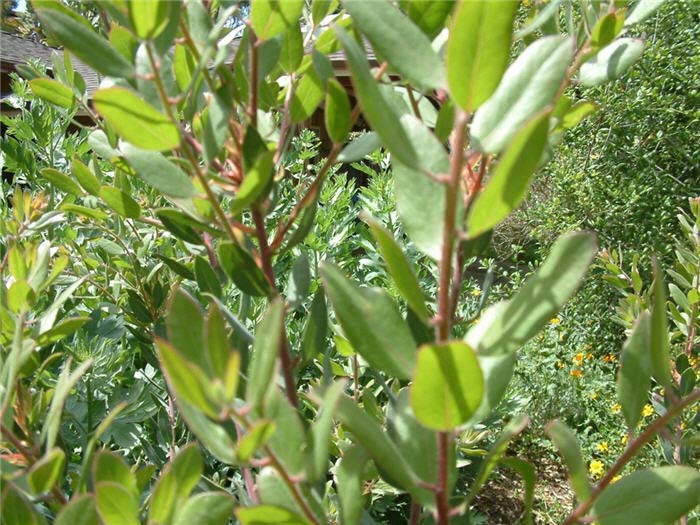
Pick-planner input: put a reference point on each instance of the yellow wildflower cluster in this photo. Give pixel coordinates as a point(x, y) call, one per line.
point(693, 361)
point(578, 358)
point(610, 358)
point(602, 446)
point(648, 410)
point(576, 372)
point(596, 468)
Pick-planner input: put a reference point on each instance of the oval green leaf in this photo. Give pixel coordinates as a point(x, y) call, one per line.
point(396, 38)
point(157, 171)
point(478, 50)
point(372, 323)
point(135, 120)
point(510, 180)
point(83, 42)
point(447, 385)
point(528, 86)
point(658, 495)
point(62, 181)
point(53, 91)
point(611, 62)
point(120, 202)
point(337, 112)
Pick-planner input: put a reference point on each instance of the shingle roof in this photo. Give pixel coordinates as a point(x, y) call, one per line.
point(15, 50)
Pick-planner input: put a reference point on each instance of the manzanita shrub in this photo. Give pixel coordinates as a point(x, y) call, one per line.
point(187, 184)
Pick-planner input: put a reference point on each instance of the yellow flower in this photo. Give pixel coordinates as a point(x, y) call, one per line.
point(560, 364)
point(616, 479)
point(589, 356)
point(610, 358)
point(623, 439)
point(602, 446)
point(594, 395)
point(476, 292)
point(596, 468)
point(648, 410)
point(555, 321)
point(578, 358)
point(576, 372)
point(616, 408)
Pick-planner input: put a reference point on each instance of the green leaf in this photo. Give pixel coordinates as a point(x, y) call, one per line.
point(185, 327)
point(241, 268)
point(544, 14)
point(577, 113)
point(219, 349)
point(83, 42)
point(314, 336)
point(429, 15)
point(255, 438)
point(268, 515)
point(447, 385)
point(528, 86)
point(62, 181)
point(174, 485)
point(321, 8)
point(80, 510)
point(292, 49)
point(382, 118)
point(206, 508)
point(641, 10)
point(634, 376)
point(418, 446)
point(322, 430)
point(66, 382)
point(149, 18)
point(265, 350)
point(185, 379)
point(256, 180)
point(658, 495)
point(399, 267)
point(299, 280)
point(120, 202)
point(372, 323)
point(607, 28)
point(53, 92)
point(92, 213)
point(110, 467)
point(510, 180)
point(206, 277)
point(337, 112)
point(660, 347)
point(350, 482)
point(514, 427)
point(568, 446)
point(399, 41)
point(540, 298)
point(15, 509)
point(373, 438)
point(45, 472)
point(611, 62)
point(158, 172)
point(307, 96)
point(420, 200)
point(87, 179)
point(135, 120)
point(478, 50)
point(61, 331)
point(360, 147)
point(272, 17)
point(115, 504)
